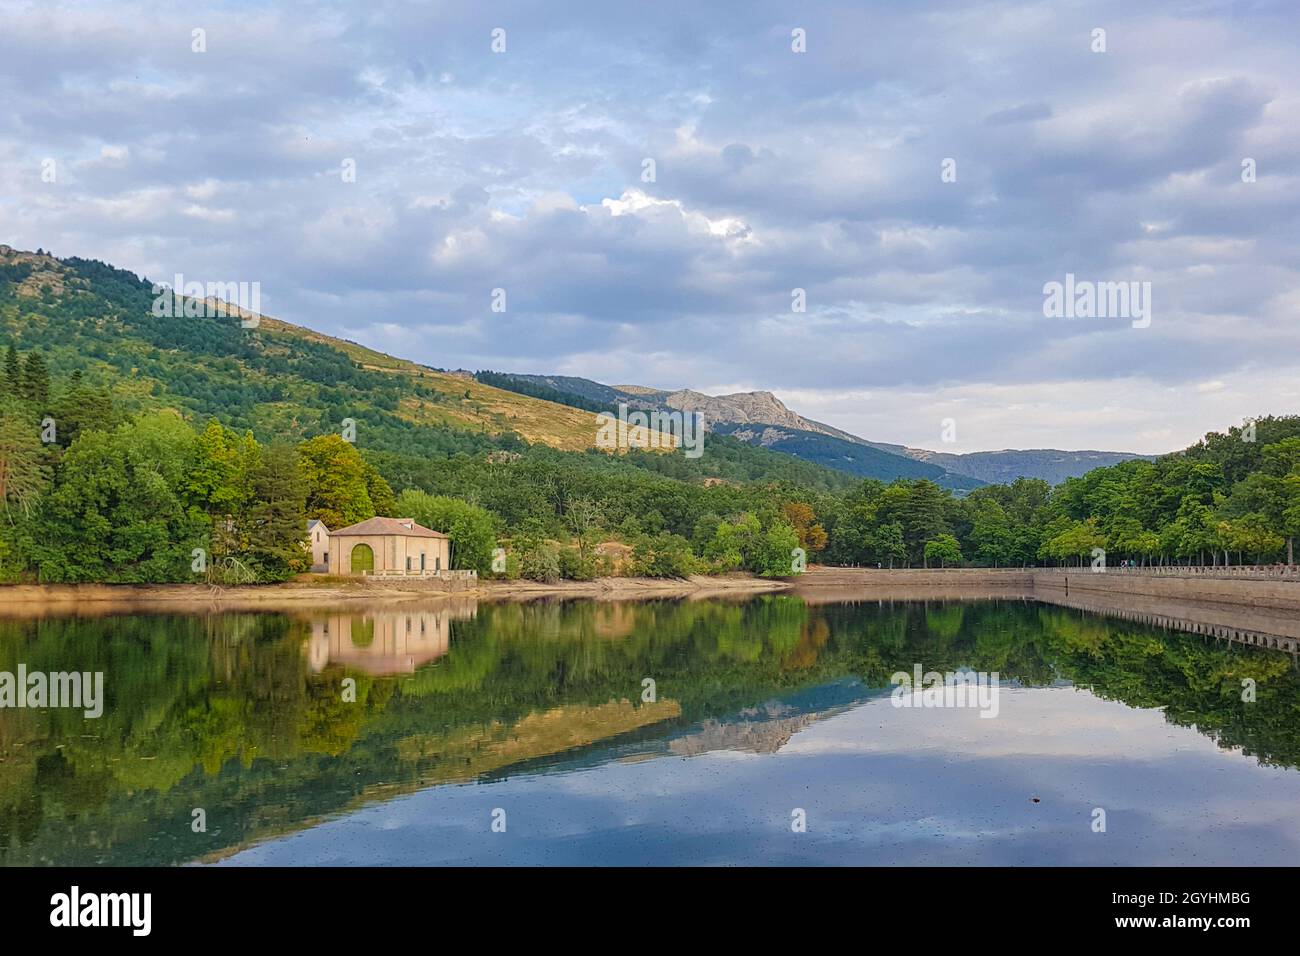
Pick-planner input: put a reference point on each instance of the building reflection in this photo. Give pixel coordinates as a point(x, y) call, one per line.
point(383, 643)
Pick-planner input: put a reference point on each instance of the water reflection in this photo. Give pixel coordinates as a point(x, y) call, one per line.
point(384, 643)
point(246, 715)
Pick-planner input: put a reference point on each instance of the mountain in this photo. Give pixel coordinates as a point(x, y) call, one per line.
point(854, 457)
point(786, 430)
point(284, 381)
point(1002, 467)
point(287, 381)
point(756, 418)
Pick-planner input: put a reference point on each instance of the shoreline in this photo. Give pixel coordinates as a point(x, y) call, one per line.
point(62, 600)
point(819, 585)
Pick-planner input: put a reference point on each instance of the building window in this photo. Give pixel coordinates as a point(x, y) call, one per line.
point(421, 560)
point(408, 562)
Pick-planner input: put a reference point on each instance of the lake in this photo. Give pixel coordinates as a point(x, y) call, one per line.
point(755, 731)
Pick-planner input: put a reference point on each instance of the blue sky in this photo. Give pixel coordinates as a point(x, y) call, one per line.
point(775, 170)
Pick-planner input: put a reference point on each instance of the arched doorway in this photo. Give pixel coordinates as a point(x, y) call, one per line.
point(363, 559)
point(363, 629)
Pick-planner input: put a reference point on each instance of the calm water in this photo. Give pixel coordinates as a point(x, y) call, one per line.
point(533, 716)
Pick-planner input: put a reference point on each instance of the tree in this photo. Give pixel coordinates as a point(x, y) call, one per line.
point(991, 535)
point(541, 562)
point(921, 512)
point(799, 515)
point(943, 549)
point(82, 407)
point(36, 381)
point(118, 511)
point(277, 520)
point(338, 481)
point(23, 473)
point(663, 555)
point(381, 495)
point(722, 549)
point(584, 517)
point(1250, 535)
point(13, 371)
point(472, 529)
point(888, 543)
point(735, 543)
point(1064, 539)
point(220, 483)
point(774, 556)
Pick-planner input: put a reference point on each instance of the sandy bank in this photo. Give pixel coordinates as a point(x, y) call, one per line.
point(59, 600)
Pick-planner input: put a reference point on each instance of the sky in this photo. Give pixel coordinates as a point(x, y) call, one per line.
point(920, 170)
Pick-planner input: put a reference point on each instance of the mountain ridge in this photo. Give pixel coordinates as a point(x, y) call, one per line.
point(738, 410)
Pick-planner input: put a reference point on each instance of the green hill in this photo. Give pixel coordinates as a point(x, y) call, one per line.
point(283, 381)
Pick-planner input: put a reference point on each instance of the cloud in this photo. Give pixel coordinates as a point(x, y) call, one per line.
point(773, 170)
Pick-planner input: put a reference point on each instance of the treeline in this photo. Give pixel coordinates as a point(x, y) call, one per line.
point(93, 492)
point(1232, 498)
point(523, 386)
point(153, 500)
point(90, 492)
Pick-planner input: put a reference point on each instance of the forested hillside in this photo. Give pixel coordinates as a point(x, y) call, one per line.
point(129, 441)
point(136, 448)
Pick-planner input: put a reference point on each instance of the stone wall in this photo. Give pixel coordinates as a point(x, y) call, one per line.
point(822, 584)
point(1199, 589)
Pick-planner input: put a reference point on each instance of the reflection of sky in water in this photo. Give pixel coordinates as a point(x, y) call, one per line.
point(879, 784)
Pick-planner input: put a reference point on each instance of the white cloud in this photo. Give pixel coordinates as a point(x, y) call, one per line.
point(773, 171)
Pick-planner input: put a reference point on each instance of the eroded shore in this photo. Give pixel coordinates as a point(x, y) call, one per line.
point(818, 586)
point(57, 600)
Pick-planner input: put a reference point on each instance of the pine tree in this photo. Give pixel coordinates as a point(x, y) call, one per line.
point(23, 474)
point(13, 371)
point(36, 380)
point(278, 522)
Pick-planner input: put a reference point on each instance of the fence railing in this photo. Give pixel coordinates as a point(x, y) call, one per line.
point(1276, 572)
point(443, 575)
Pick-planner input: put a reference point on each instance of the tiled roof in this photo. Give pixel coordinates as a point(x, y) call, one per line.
point(402, 526)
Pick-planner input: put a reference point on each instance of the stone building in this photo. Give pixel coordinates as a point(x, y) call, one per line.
point(318, 539)
point(388, 546)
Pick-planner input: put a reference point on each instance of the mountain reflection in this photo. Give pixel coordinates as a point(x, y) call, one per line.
point(272, 721)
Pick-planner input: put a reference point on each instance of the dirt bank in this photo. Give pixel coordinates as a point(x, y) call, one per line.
point(817, 586)
point(59, 600)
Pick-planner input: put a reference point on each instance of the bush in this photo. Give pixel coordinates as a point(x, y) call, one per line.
point(663, 556)
point(773, 556)
point(575, 566)
point(541, 563)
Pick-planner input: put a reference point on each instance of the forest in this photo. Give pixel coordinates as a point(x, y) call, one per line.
point(140, 450)
point(92, 492)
